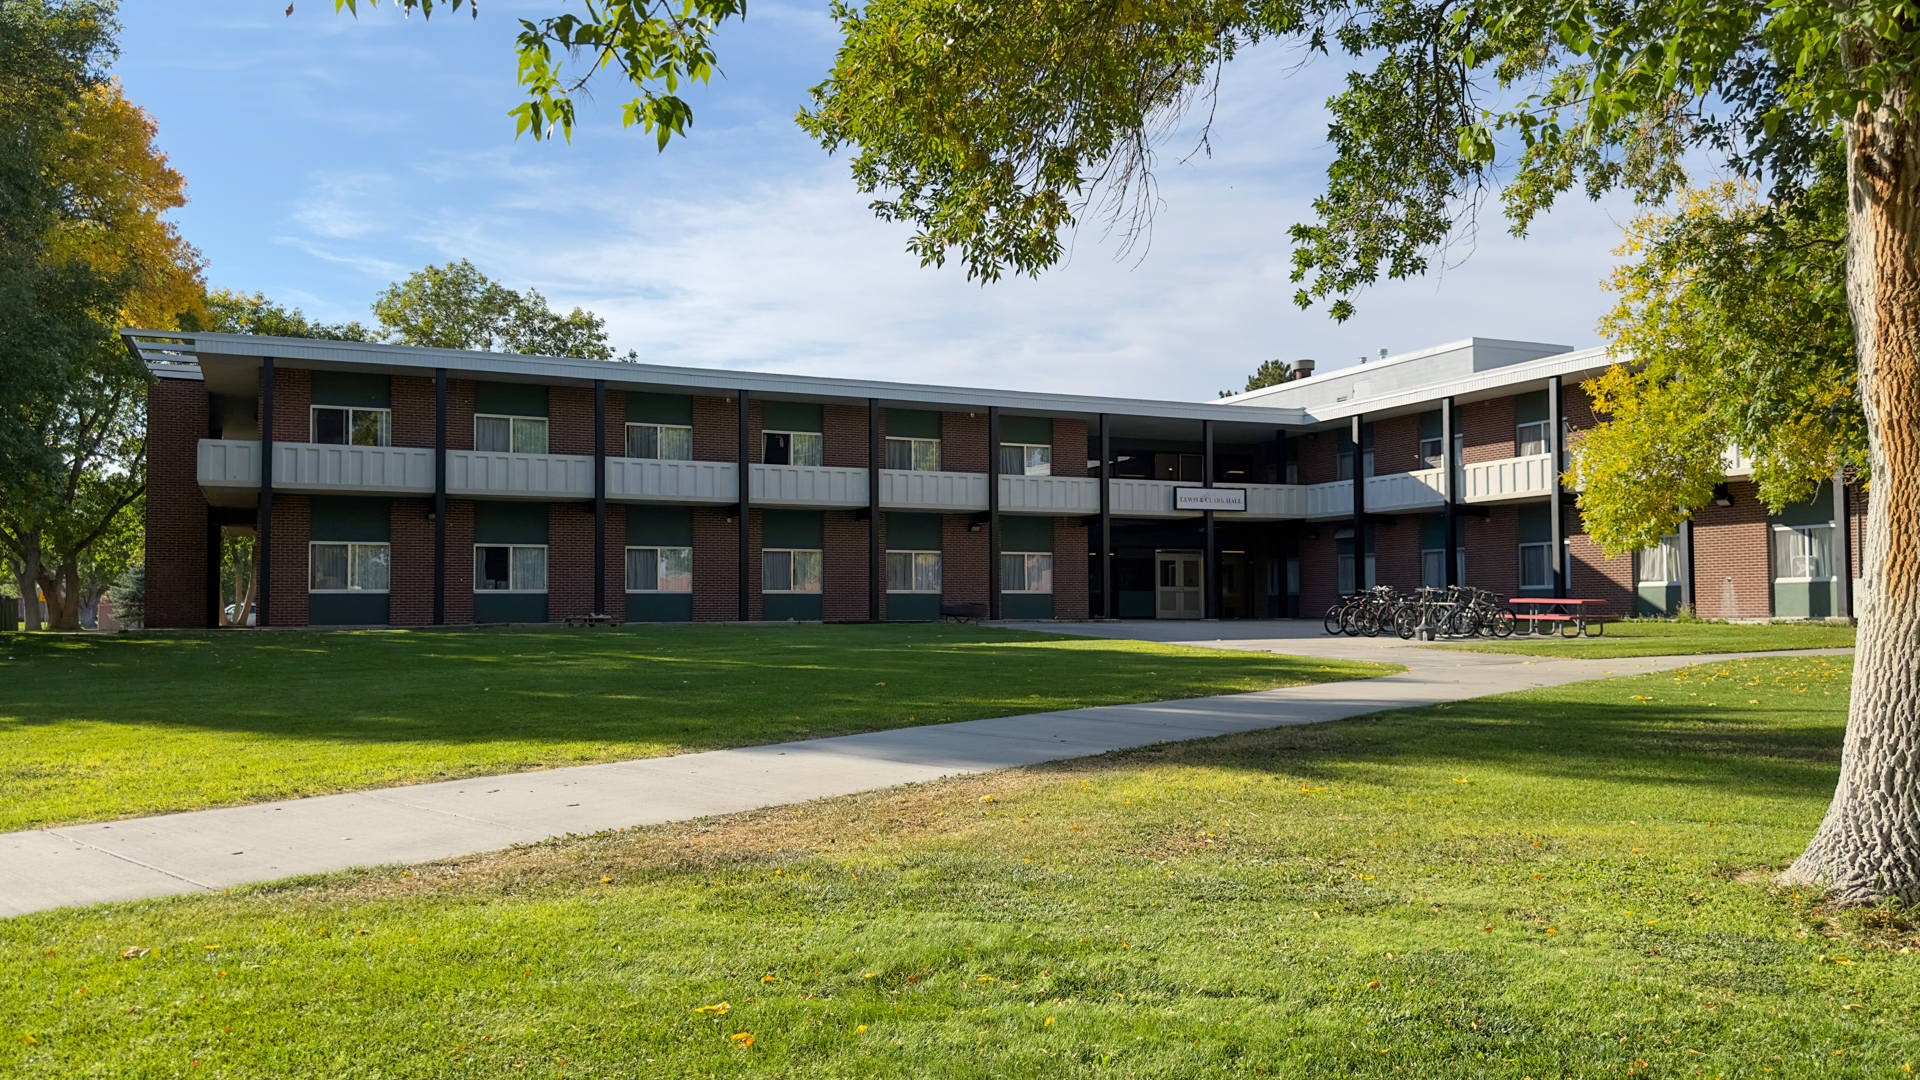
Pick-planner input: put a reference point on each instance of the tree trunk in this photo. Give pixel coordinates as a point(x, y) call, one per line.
point(1868, 846)
point(29, 581)
point(62, 589)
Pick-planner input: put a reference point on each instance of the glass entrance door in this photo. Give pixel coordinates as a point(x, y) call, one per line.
point(1179, 583)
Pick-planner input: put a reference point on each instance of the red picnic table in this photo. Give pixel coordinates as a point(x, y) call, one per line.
point(1578, 623)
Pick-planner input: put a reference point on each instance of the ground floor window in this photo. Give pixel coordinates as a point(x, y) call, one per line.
point(1026, 571)
point(790, 570)
point(1346, 574)
point(1433, 566)
point(913, 571)
point(659, 569)
point(1536, 566)
point(510, 568)
point(1659, 564)
point(335, 567)
point(1802, 552)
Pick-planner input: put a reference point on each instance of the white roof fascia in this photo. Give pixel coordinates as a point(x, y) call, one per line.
point(707, 381)
point(1580, 362)
point(1366, 369)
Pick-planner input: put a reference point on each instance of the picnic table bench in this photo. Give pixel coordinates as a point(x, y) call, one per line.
point(593, 620)
point(1580, 622)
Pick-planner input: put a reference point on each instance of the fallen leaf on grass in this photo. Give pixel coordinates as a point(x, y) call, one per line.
point(134, 952)
point(719, 1010)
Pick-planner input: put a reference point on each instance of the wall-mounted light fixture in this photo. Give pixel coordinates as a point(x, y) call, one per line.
point(1722, 495)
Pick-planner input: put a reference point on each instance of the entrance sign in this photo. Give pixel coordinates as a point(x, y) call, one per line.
point(1187, 498)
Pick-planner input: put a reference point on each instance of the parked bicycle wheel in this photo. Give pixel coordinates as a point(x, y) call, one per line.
point(1406, 622)
point(1368, 620)
point(1332, 621)
point(1503, 623)
point(1349, 624)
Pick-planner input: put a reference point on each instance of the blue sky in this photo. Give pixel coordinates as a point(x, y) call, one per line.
point(327, 156)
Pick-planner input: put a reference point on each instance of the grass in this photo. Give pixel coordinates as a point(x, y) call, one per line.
point(1558, 883)
point(101, 727)
point(1651, 637)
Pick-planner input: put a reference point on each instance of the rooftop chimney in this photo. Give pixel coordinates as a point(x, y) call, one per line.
point(1302, 368)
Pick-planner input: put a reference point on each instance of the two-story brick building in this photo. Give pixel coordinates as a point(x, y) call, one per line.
point(414, 487)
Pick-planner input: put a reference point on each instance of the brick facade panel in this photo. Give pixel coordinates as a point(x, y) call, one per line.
point(176, 511)
point(292, 405)
point(292, 527)
point(1070, 451)
point(570, 419)
point(412, 400)
point(1396, 445)
point(459, 414)
point(963, 442)
point(410, 531)
point(1731, 575)
point(1489, 431)
point(569, 561)
point(716, 567)
point(460, 559)
point(1069, 562)
point(963, 561)
point(1318, 454)
point(843, 436)
point(847, 586)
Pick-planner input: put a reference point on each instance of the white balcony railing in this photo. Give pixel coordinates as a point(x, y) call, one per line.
point(383, 470)
point(519, 476)
point(661, 481)
point(1399, 493)
point(1275, 502)
point(933, 492)
point(228, 463)
point(808, 485)
point(1063, 495)
point(1516, 479)
point(1330, 500)
point(1155, 499)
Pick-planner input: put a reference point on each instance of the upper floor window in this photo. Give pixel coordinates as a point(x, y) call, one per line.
point(1430, 451)
point(509, 434)
point(1025, 459)
point(1346, 464)
point(1802, 552)
point(922, 455)
point(1531, 439)
point(339, 426)
point(667, 442)
point(792, 447)
point(1185, 468)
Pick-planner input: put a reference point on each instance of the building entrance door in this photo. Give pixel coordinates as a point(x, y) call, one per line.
point(1179, 585)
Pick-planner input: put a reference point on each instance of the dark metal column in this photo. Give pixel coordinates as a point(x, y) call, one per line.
point(1211, 557)
point(1555, 505)
point(216, 537)
point(440, 497)
point(1686, 563)
point(1451, 574)
point(599, 496)
point(746, 534)
point(1359, 505)
point(1109, 603)
point(993, 511)
point(876, 558)
point(1842, 548)
point(263, 544)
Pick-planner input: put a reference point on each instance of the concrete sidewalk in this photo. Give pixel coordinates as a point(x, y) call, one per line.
point(209, 850)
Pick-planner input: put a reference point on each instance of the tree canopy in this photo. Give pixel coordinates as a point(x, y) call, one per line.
point(457, 307)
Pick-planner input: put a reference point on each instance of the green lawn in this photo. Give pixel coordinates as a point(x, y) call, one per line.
point(1560, 883)
point(103, 727)
point(1656, 638)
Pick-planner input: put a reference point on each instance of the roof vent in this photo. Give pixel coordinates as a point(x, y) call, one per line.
point(1302, 368)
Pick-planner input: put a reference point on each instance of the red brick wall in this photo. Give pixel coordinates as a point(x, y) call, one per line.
point(1396, 554)
point(616, 568)
point(292, 527)
point(1493, 547)
point(1319, 569)
point(176, 510)
point(1596, 577)
point(410, 598)
point(963, 557)
point(569, 560)
point(1069, 459)
point(847, 588)
point(460, 553)
point(460, 419)
point(1069, 555)
point(1731, 576)
point(569, 420)
point(716, 429)
point(412, 399)
point(616, 423)
point(292, 406)
point(1488, 436)
point(1396, 447)
point(1576, 408)
point(716, 567)
point(844, 437)
point(1319, 456)
point(963, 442)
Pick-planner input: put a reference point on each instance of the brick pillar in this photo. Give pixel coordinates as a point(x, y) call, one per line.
point(963, 558)
point(1069, 560)
point(716, 558)
point(459, 550)
point(845, 568)
point(176, 515)
point(292, 527)
point(410, 598)
point(569, 561)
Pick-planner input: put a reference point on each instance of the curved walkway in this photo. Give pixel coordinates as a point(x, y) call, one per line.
point(209, 850)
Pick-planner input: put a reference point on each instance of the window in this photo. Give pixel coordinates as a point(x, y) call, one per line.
point(659, 569)
point(1659, 564)
point(921, 455)
point(1531, 438)
point(510, 568)
point(1802, 552)
point(913, 571)
point(1433, 566)
point(795, 571)
point(1536, 568)
point(1293, 577)
point(1025, 459)
point(1030, 572)
point(1346, 574)
point(791, 448)
point(509, 434)
point(1346, 464)
point(347, 567)
point(665, 442)
point(1293, 473)
point(1430, 453)
point(1185, 468)
point(351, 427)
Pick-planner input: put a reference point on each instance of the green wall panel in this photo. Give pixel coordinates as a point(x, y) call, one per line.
point(1815, 511)
point(1023, 533)
point(347, 609)
point(510, 399)
point(913, 532)
point(659, 607)
point(803, 529)
point(1530, 408)
point(659, 526)
point(779, 607)
point(1657, 599)
point(1802, 599)
point(913, 424)
point(790, 416)
point(351, 517)
point(659, 408)
point(1026, 605)
point(913, 607)
point(1037, 430)
point(509, 523)
point(1136, 605)
point(352, 388)
point(1536, 523)
point(509, 607)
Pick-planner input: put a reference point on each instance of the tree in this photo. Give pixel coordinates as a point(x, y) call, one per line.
point(1736, 318)
point(990, 124)
point(224, 311)
point(1269, 373)
point(457, 307)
